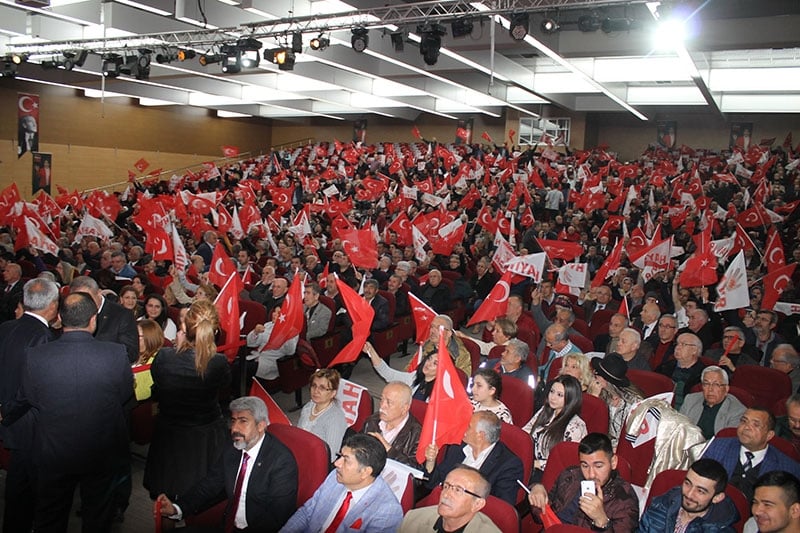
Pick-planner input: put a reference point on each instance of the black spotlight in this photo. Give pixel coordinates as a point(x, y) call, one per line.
point(360, 39)
point(112, 64)
point(319, 43)
point(283, 57)
point(8, 69)
point(611, 25)
point(398, 40)
point(184, 54)
point(72, 59)
point(210, 59)
point(138, 66)
point(297, 42)
point(431, 41)
point(519, 26)
point(461, 27)
point(167, 55)
point(588, 23)
point(550, 26)
point(232, 63)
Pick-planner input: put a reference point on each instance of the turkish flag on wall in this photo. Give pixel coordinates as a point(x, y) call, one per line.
point(496, 302)
point(361, 313)
point(227, 304)
point(449, 409)
point(290, 322)
point(221, 266)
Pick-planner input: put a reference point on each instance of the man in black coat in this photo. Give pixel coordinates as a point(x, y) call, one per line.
point(30, 330)
point(380, 305)
point(11, 292)
point(77, 388)
point(268, 466)
point(114, 322)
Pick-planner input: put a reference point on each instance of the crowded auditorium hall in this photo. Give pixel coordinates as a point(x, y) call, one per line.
point(331, 266)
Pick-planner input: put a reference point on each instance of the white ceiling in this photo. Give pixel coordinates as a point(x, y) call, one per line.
point(739, 56)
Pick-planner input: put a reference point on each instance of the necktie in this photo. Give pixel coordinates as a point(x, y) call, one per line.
point(748, 465)
point(230, 521)
point(341, 513)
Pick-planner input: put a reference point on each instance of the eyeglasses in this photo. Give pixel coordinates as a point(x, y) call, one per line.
point(687, 344)
point(710, 385)
point(458, 489)
point(668, 326)
point(320, 387)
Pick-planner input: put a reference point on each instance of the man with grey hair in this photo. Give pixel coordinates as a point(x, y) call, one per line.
point(635, 353)
point(120, 267)
point(788, 425)
point(714, 408)
point(394, 426)
point(206, 248)
point(10, 291)
point(483, 450)
point(557, 344)
point(512, 362)
point(785, 359)
point(740, 353)
point(40, 301)
point(455, 347)
point(686, 367)
point(114, 322)
point(257, 473)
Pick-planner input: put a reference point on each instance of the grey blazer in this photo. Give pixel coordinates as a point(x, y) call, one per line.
point(727, 417)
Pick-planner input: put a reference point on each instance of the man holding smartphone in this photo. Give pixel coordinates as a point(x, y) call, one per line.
point(592, 495)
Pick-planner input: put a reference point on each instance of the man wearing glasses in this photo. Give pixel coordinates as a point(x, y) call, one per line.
point(739, 354)
point(353, 496)
point(686, 367)
point(713, 409)
point(785, 359)
point(464, 493)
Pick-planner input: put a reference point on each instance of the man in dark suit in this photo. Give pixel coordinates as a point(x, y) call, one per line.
point(114, 322)
point(255, 456)
point(31, 329)
point(434, 293)
point(77, 387)
point(599, 298)
point(751, 445)
point(499, 466)
point(382, 319)
point(206, 248)
point(11, 293)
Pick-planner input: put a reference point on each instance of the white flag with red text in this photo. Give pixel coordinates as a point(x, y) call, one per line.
point(732, 291)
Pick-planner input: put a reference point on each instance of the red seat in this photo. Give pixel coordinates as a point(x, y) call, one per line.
point(521, 445)
point(327, 346)
point(564, 455)
point(555, 368)
point(639, 458)
point(387, 340)
point(767, 385)
point(418, 410)
point(496, 352)
point(600, 320)
point(650, 383)
point(664, 481)
point(583, 343)
point(518, 397)
point(256, 314)
point(407, 501)
point(502, 513)
point(143, 422)
point(295, 370)
point(531, 338)
point(474, 353)
point(781, 444)
point(594, 412)
point(311, 454)
point(365, 409)
point(581, 327)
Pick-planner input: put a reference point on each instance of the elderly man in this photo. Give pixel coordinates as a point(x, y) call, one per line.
point(464, 494)
point(785, 359)
point(713, 409)
point(667, 335)
point(354, 496)
point(738, 354)
point(686, 367)
point(318, 316)
point(598, 299)
point(434, 293)
point(379, 304)
point(280, 286)
point(482, 281)
point(512, 362)
point(261, 291)
point(648, 323)
point(394, 426)
point(749, 455)
point(700, 325)
point(40, 301)
point(120, 267)
point(607, 342)
point(611, 506)
point(630, 347)
point(557, 342)
point(698, 504)
point(206, 248)
point(483, 450)
point(402, 307)
point(788, 425)
point(257, 468)
point(776, 503)
point(766, 337)
point(458, 352)
point(11, 292)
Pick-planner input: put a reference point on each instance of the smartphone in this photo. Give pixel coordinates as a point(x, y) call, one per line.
point(588, 487)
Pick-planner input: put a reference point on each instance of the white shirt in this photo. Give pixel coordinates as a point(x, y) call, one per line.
point(357, 495)
point(476, 462)
point(391, 434)
point(757, 456)
point(240, 521)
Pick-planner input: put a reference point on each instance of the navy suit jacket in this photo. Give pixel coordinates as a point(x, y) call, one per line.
point(381, 307)
point(76, 387)
point(15, 337)
point(8, 301)
point(501, 468)
point(726, 451)
point(116, 324)
point(271, 488)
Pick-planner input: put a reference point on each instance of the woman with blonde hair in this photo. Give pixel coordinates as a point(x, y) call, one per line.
point(577, 366)
point(190, 431)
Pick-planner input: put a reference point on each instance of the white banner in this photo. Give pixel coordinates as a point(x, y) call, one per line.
point(349, 398)
point(531, 265)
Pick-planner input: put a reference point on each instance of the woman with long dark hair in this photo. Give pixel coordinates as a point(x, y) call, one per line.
point(155, 308)
point(557, 420)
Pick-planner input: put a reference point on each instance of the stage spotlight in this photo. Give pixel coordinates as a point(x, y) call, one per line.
point(52, 63)
point(283, 57)
point(319, 43)
point(18, 59)
point(249, 43)
point(430, 42)
point(8, 69)
point(461, 27)
point(232, 63)
point(611, 25)
point(167, 55)
point(184, 54)
point(360, 39)
point(72, 60)
point(398, 40)
point(112, 65)
point(138, 66)
point(297, 42)
point(550, 26)
point(250, 59)
point(210, 59)
point(519, 26)
point(588, 23)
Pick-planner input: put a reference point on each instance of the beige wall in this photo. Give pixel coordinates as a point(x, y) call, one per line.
point(95, 143)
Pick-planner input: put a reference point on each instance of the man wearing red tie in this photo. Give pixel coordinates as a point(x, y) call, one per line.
point(353, 497)
point(256, 469)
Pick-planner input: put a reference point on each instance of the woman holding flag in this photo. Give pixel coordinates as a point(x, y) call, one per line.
point(421, 379)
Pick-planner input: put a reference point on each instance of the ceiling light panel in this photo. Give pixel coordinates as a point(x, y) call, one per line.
point(754, 80)
point(689, 95)
point(621, 70)
point(565, 82)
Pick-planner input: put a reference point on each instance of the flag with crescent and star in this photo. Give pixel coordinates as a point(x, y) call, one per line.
point(221, 266)
point(290, 320)
point(27, 123)
point(227, 304)
point(496, 302)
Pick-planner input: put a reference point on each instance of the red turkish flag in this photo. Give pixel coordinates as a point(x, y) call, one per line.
point(561, 249)
point(755, 217)
point(361, 313)
point(485, 136)
point(274, 412)
point(290, 322)
point(609, 266)
point(221, 266)
point(227, 304)
point(447, 238)
point(742, 241)
point(774, 251)
point(472, 196)
point(423, 315)
point(527, 219)
point(230, 151)
point(775, 283)
point(461, 133)
point(496, 302)
point(701, 269)
point(416, 133)
point(281, 199)
point(486, 221)
point(449, 409)
point(159, 244)
point(224, 219)
point(361, 247)
point(141, 165)
point(401, 225)
point(637, 242)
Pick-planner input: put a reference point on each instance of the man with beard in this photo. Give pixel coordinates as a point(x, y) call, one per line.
point(699, 504)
